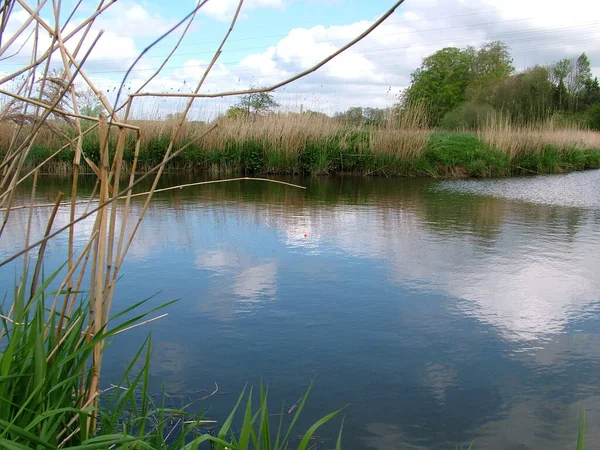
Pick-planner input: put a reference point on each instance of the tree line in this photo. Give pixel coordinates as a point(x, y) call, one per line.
point(461, 87)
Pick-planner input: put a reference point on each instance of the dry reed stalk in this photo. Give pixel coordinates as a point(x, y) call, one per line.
point(42, 250)
point(502, 134)
point(175, 135)
point(69, 281)
point(21, 29)
point(175, 47)
point(54, 46)
point(60, 111)
point(30, 140)
point(29, 219)
point(97, 300)
point(16, 166)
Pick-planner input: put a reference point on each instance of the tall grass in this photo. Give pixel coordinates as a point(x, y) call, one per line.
point(315, 144)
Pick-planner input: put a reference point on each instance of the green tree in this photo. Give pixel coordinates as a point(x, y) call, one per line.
point(236, 112)
point(352, 116)
point(591, 93)
point(375, 116)
point(257, 103)
point(442, 81)
point(594, 117)
point(527, 96)
point(492, 64)
point(89, 104)
point(580, 75)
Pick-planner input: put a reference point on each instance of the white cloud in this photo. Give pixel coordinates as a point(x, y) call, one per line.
point(370, 74)
point(224, 9)
point(537, 32)
point(132, 19)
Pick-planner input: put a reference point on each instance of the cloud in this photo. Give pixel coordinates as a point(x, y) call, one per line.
point(224, 9)
point(132, 19)
point(372, 73)
point(381, 64)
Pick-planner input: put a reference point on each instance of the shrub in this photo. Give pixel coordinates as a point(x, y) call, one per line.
point(468, 116)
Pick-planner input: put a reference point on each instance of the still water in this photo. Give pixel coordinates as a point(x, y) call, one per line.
point(441, 312)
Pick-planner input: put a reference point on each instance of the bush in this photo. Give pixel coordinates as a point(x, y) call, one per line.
point(468, 116)
point(594, 117)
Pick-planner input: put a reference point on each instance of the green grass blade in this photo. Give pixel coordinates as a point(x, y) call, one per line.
point(227, 424)
point(264, 436)
point(306, 439)
point(338, 444)
point(581, 434)
point(297, 414)
point(246, 425)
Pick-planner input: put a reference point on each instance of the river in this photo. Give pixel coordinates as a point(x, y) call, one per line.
point(441, 312)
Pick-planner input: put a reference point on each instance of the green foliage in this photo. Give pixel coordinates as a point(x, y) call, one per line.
point(236, 112)
point(442, 79)
point(363, 116)
point(154, 150)
point(43, 405)
point(89, 105)
point(527, 96)
point(463, 154)
point(42, 369)
point(492, 64)
point(468, 116)
point(256, 430)
point(452, 76)
point(257, 103)
point(581, 433)
point(594, 117)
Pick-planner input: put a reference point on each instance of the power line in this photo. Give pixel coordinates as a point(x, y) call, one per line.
point(333, 40)
point(410, 48)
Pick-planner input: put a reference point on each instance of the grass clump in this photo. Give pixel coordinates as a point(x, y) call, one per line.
point(44, 401)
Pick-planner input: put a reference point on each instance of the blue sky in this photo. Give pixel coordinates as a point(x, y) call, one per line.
point(275, 39)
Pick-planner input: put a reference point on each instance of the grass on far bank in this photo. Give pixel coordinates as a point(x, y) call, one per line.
point(314, 144)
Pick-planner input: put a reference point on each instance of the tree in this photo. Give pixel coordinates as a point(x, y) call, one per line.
point(236, 112)
point(492, 64)
point(352, 116)
point(591, 93)
point(375, 116)
point(594, 117)
point(89, 104)
point(442, 81)
point(527, 96)
point(258, 103)
point(570, 76)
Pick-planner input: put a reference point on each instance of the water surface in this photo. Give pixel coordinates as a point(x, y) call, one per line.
point(442, 312)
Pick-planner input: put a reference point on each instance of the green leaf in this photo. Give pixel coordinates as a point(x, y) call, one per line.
point(581, 434)
point(246, 425)
point(338, 444)
point(306, 439)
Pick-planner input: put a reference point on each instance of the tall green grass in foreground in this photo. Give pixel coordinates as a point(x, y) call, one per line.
point(43, 404)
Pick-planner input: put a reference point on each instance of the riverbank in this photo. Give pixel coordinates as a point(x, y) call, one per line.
point(315, 144)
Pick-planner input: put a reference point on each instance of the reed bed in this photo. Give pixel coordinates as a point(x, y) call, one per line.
point(289, 143)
